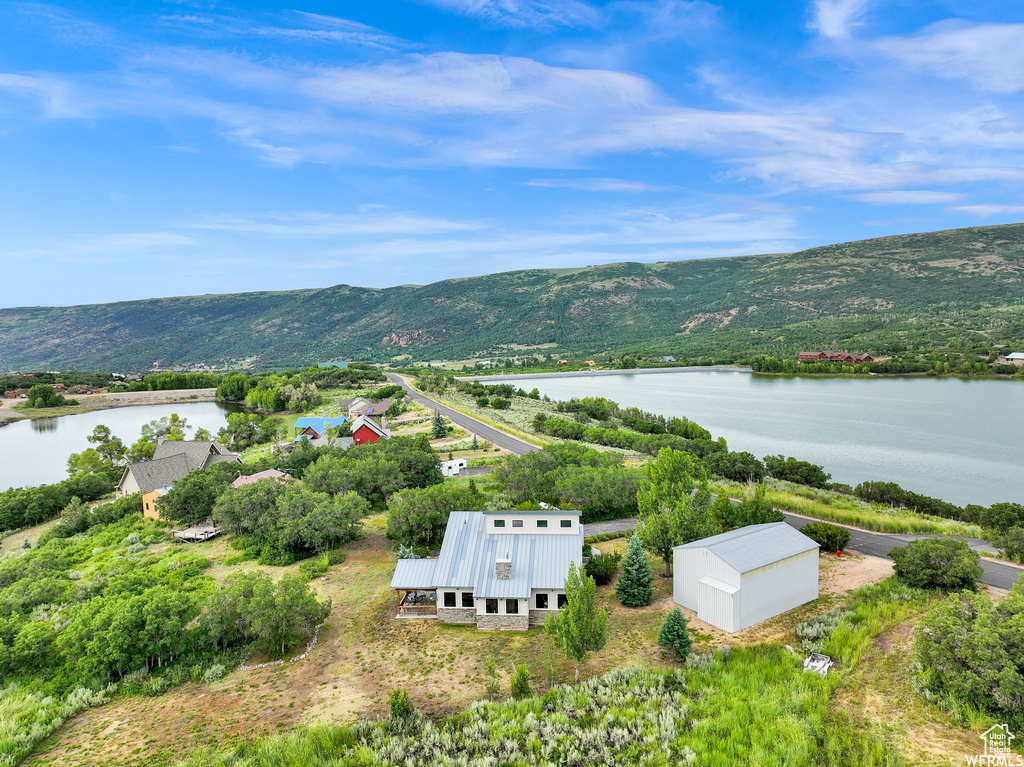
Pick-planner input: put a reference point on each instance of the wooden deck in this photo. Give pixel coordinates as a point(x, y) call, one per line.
point(197, 533)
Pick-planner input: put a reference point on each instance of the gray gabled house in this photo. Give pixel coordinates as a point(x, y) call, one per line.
point(500, 570)
point(171, 461)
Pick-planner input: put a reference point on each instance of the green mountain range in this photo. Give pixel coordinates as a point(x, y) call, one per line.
point(963, 288)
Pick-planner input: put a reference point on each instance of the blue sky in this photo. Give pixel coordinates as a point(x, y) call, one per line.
point(175, 148)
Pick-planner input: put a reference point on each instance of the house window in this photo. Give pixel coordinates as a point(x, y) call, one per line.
point(512, 606)
point(563, 600)
point(517, 523)
point(542, 523)
point(499, 523)
point(542, 601)
point(467, 599)
point(449, 599)
point(566, 523)
point(491, 606)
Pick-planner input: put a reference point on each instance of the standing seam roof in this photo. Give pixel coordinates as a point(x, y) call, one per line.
point(754, 546)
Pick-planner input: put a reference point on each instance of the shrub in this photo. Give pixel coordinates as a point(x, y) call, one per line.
point(215, 672)
point(814, 632)
point(792, 470)
point(482, 401)
point(969, 652)
point(828, 537)
point(399, 705)
point(602, 568)
point(942, 563)
point(521, 683)
point(675, 634)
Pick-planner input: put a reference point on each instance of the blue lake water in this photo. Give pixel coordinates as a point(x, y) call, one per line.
point(36, 452)
point(962, 441)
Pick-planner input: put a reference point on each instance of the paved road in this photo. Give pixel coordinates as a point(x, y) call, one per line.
point(470, 424)
point(876, 544)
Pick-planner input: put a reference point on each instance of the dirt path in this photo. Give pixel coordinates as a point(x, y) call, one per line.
point(90, 402)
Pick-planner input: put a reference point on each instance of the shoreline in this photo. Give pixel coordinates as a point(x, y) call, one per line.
point(89, 403)
point(589, 373)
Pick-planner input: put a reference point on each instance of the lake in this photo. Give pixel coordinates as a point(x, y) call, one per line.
point(36, 452)
point(962, 441)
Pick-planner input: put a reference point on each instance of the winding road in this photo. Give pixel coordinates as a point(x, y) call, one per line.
point(996, 574)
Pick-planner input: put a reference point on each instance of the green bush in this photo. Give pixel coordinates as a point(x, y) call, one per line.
point(602, 568)
point(940, 563)
point(829, 537)
point(814, 632)
point(675, 633)
point(520, 686)
point(399, 705)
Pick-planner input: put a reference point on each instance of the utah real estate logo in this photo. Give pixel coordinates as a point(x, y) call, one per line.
point(998, 751)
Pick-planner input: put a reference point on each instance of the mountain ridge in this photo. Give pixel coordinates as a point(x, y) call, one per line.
point(960, 285)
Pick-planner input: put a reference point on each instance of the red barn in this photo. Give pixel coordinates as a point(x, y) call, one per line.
point(367, 430)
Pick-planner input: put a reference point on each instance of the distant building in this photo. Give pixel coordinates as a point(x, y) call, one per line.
point(668, 358)
point(1015, 358)
point(367, 431)
point(171, 462)
point(499, 570)
point(563, 362)
point(333, 364)
point(361, 406)
point(149, 509)
point(844, 358)
point(745, 576)
point(314, 427)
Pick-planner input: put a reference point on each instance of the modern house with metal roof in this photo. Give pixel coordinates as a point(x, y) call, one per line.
point(748, 575)
point(500, 570)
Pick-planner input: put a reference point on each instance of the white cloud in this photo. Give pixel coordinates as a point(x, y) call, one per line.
point(316, 225)
point(989, 56)
point(835, 19)
point(987, 211)
point(598, 185)
point(103, 248)
point(908, 197)
point(525, 13)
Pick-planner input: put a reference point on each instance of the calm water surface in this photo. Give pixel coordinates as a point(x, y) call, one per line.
point(36, 452)
point(962, 441)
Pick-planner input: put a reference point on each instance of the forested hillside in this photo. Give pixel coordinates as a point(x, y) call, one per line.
point(961, 288)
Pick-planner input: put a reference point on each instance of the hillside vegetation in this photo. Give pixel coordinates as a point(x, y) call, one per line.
point(962, 287)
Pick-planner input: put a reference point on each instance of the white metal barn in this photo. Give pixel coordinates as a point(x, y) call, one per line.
point(748, 575)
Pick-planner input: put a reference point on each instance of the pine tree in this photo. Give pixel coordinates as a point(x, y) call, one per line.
point(635, 587)
point(438, 429)
point(580, 626)
point(475, 444)
point(674, 633)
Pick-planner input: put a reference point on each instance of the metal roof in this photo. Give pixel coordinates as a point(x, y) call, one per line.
point(748, 548)
point(717, 584)
point(319, 423)
point(468, 554)
point(414, 574)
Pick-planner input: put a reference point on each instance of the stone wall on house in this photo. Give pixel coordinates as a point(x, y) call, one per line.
point(537, 616)
point(456, 614)
point(502, 622)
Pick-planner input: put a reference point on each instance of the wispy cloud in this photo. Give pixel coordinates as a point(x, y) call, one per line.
point(909, 197)
point(836, 19)
point(598, 185)
point(524, 13)
point(318, 225)
point(989, 56)
point(990, 210)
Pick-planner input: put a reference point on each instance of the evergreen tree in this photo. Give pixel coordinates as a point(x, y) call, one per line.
point(635, 587)
point(675, 634)
point(580, 627)
point(438, 428)
point(475, 444)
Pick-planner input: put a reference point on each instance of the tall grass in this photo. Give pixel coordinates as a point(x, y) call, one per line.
point(753, 707)
point(847, 510)
point(872, 610)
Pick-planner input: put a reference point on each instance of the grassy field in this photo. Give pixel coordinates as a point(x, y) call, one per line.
point(364, 653)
